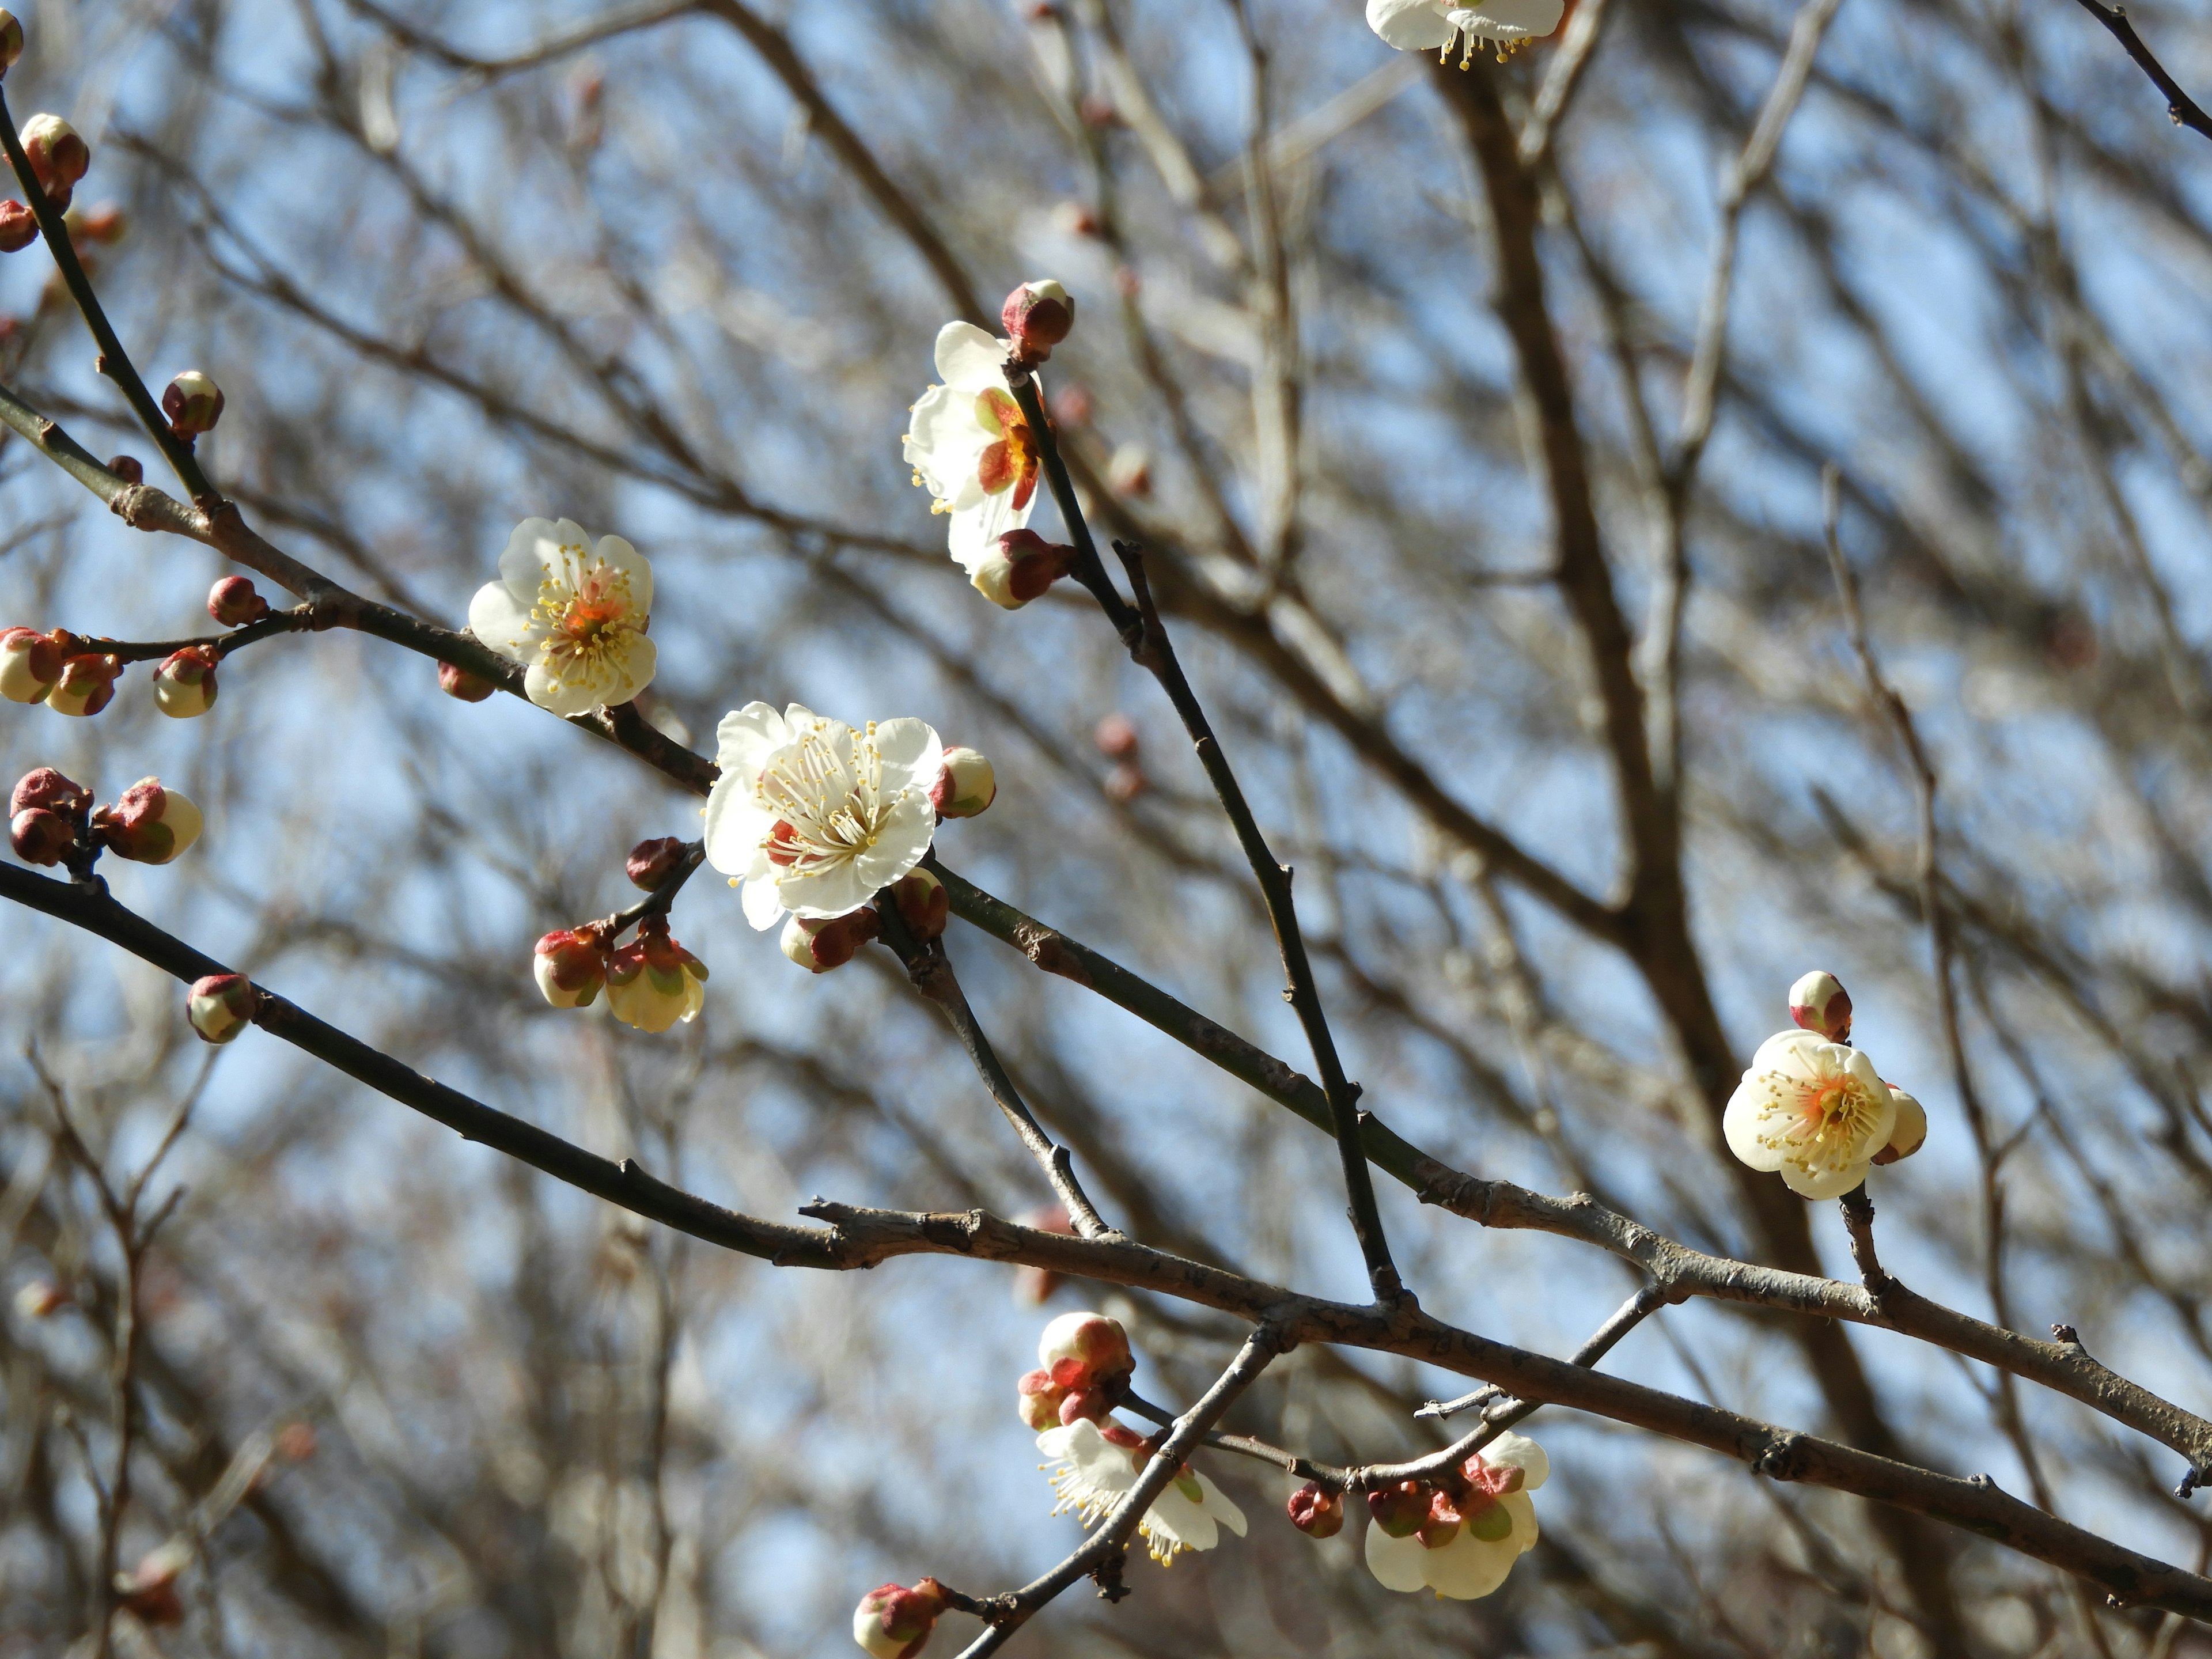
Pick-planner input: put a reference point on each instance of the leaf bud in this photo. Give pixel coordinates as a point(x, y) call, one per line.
point(1037, 316)
point(923, 904)
point(459, 683)
point(19, 227)
point(893, 1622)
point(1086, 1351)
point(222, 1005)
point(1400, 1510)
point(1037, 1399)
point(87, 684)
point(148, 824)
point(818, 945)
point(184, 685)
point(1911, 1130)
point(129, 468)
point(58, 155)
point(651, 863)
point(31, 662)
point(194, 403)
point(967, 785)
point(1819, 1003)
point(653, 981)
point(1317, 1511)
point(234, 601)
point(1022, 567)
point(571, 965)
point(11, 39)
point(41, 837)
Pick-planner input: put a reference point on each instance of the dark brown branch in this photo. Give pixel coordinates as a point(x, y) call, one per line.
point(2179, 104)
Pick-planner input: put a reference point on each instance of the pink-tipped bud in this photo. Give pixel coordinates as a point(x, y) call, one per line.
point(1022, 567)
point(1037, 1401)
point(651, 863)
point(967, 785)
point(148, 824)
point(1911, 1133)
point(1317, 1511)
point(818, 945)
point(31, 662)
point(41, 837)
point(923, 904)
point(893, 1622)
point(234, 601)
point(47, 788)
point(194, 403)
point(11, 39)
point(129, 468)
point(87, 684)
point(653, 981)
point(1400, 1510)
point(571, 965)
point(184, 685)
point(1086, 1351)
point(1116, 737)
point(1819, 1003)
point(19, 227)
point(459, 683)
point(221, 1006)
point(58, 155)
point(41, 1299)
point(1037, 316)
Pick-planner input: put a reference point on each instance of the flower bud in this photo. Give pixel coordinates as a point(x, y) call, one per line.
point(1038, 317)
point(19, 227)
point(149, 1590)
point(234, 601)
point(459, 683)
point(893, 1622)
point(58, 155)
point(1130, 472)
point(1037, 1399)
point(1444, 1519)
point(30, 662)
point(87, 684)
point(1400, 1510)
point(184, 685)
point(965, 787)
point(1023, 566)
point(1317, 1511)
point(571, 965)
point(651, 863)
point(1910, 1132)
point(221, 1006)
point(1086, 1351)
point(129, 468)
point(820, 945)
point(11, 39)
point(100, 225)
point(1819, 1003)
point(49, 789)
point(1116, 737)
point(923, 904)
point(194, 403)
point(148, 824)
point(41, 837)
point(40, 1299)
point(653, 981)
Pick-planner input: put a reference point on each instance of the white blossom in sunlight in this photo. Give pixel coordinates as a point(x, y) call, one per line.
point(1812, 1109)
point(970, 447)
point(1094, 1468)
point(1434, 24)
point(815, 817)
point(1469, 1541)
point(573, 614)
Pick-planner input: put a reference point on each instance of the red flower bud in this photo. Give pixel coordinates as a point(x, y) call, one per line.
point(1116, 737)
point(923, 904)
point(31, 662)
point(1024, 565)
point(41, 837)
point(184, 685)
point(819, 947)
point(49, 789)
point(148, 825)
point(1038, 317)
point(571, 965)
point(1317, 1511)
point(893, 1622)
point(967, 785)
point(87, 684)
point(129, 468)
point(58, 155)
point(102, 224)
point(222, 1005)
point(651, 862)
point(1819, 1003)
point(11, 40)
point(194, 403)
point(19, 227)
point(1086, 1351)
point(1037, 1400)
point(459, 683)
point(234, 601)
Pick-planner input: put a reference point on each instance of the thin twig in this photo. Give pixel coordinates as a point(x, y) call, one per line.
point(2179, 104)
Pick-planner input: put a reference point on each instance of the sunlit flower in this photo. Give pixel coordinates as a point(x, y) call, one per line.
point(1812, 1109)
point(572, 615)
point(653, 981)
point(815, 817)
point(1434, 24)
point(1097, 1468)
point(1469, 1539)
point(970, 446)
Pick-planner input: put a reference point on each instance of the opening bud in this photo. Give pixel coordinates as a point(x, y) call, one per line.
point(221, 1006)
point(965, 787)
point(58, 155)
point(31, 662)
point(1023, 566)
point(571, 965)
point(923, 904)
point(1400, 1510)
point(184, 685)
point(1086, 1351)
point(1911, 1133)
point(87, 684)
point(149, 824)
point(1037, 316)
point(234, 601)
point(194, 403)
point(1317, 1511)
point(893, 1622)
point(820, 945)
point(11, 39)
point(652, 981)
point(1089, 1405)
point(459, 683)
point(19, 227)
point(651, 863)
point(1819, 1003)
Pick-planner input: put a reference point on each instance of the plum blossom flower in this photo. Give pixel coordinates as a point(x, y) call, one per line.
point(573, 614)
point(814, 816)
point(1468, 1541)
point(971, 447)
point(1434, 24)
point(1097, 1468)
point(1812, 1109)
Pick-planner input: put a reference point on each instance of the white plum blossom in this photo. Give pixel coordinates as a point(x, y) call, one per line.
point(573, 614)
point(814, 816)
point(1094, 1473)
point(970, 447)
point(1498, 1526)
point(1434, 24)
point(1812, 1109)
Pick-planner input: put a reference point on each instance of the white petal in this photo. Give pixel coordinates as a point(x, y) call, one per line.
point(1054, 1442)
point(973, 535)
point(563, 697)
point(502, 622)
point(1218, 1506)
point(1174, 1517)
point(1795, 1054)
point(1469, 1568)
point(912, 754)
point(632, 670)
point(1744, 1123)
point(764, 905)
point(618, 555)
point(522, 564)
point(1861, 1069)
point(969, 360)
point(827, 890)
point(944, 442)
point(904, 837)
point(1509, 20)
point(1827, 1182)
point(1396, 1562)
point(1519, 1452)
point(744, 740)
point(1409, 25)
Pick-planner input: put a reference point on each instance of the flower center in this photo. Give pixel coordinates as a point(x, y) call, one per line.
point(588, 620)
point(830, 805)
point(1834, 1117)
point(1470, 42)
point(1011, 463)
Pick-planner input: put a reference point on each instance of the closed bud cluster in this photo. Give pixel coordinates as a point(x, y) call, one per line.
point(11, 39)
point(1037, 316)
point(651, 863)
point(31, 662)
point(43, 816)
point(653, 981)
point(148, 824)
point(234, 601)
point(1022, 567)
point(459, 683)
point(820, 945)
point(184, 685)
point(1819, 1003)
point(221, 1006)
point(571, 965)
point(1085, 1351)
point(923, 904)
point(19, 227)
point(967, 785)
point(1317, 1511)
point(58, 156)
point(87, 684)
point(194, 403)
point(893, 1622)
